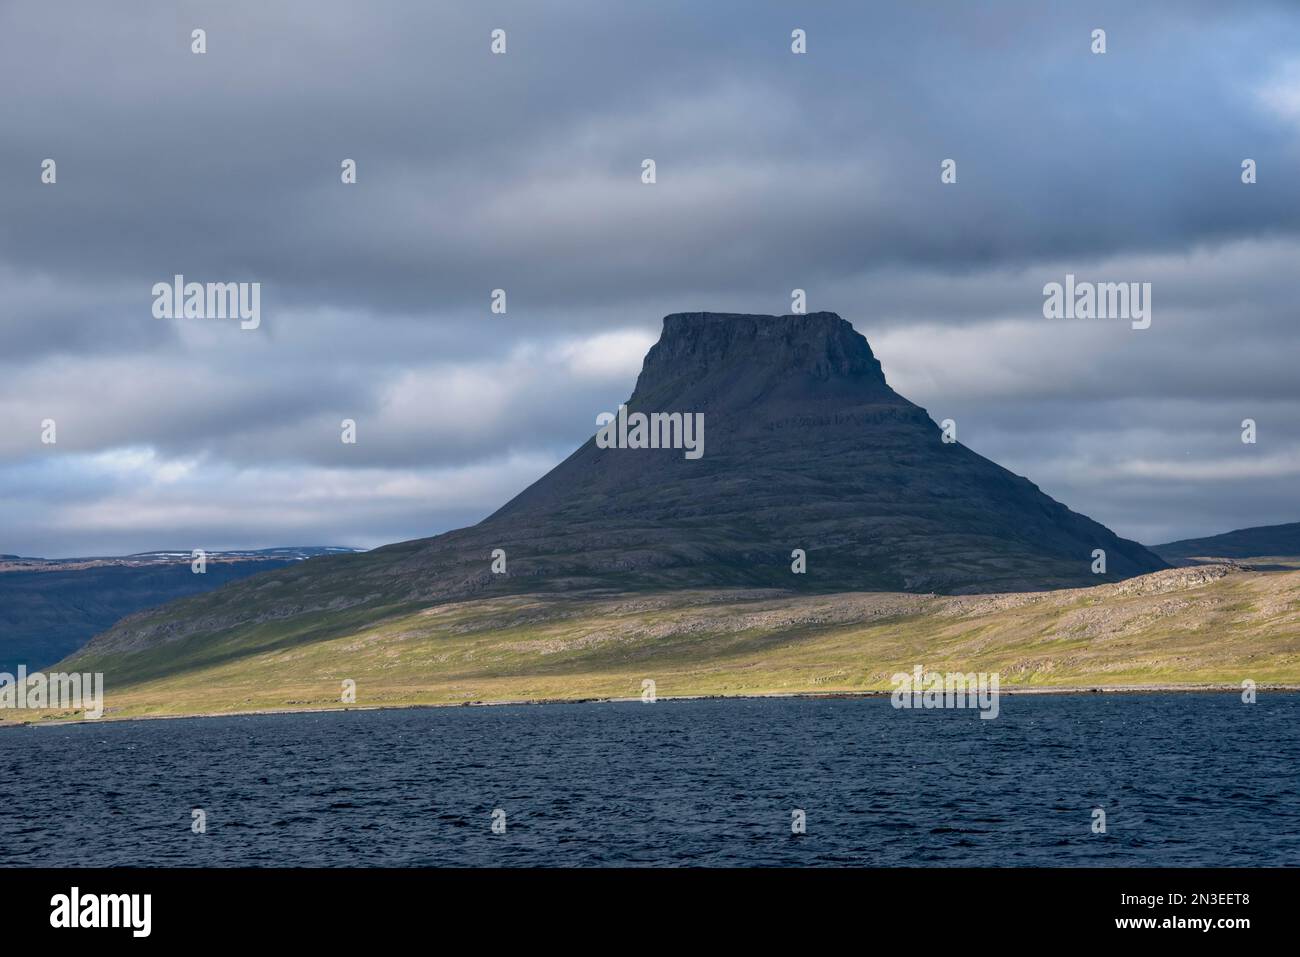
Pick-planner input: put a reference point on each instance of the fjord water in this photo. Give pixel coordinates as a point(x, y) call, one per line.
point(1184, 779)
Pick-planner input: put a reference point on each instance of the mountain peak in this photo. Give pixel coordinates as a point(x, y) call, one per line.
point(744, 356)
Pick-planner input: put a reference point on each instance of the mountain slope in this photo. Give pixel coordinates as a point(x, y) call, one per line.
point(805, 446)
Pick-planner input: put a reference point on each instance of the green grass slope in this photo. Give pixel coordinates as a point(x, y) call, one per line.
point(1193, 627)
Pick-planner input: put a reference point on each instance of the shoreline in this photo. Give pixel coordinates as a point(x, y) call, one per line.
point(811, 695)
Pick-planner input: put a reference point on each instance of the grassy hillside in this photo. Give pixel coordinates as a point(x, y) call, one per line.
point(1211, 625)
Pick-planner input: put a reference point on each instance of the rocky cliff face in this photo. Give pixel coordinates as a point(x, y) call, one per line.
point(805, 447)
point(759, 357)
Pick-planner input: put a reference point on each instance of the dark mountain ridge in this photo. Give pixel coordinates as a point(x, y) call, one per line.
point(51, 607)
point(1262, 541)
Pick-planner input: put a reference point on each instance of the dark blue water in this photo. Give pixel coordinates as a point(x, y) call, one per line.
point(1184, 780)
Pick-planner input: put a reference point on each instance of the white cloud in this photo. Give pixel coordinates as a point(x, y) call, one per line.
point(1280, 95)
point(605, 356)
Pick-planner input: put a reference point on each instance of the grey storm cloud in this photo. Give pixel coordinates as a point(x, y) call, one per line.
point(522, 172)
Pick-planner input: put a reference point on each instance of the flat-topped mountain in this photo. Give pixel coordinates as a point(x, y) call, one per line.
point(805, 446)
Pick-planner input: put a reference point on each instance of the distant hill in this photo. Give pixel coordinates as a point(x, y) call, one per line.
point(1265, 541)
point(51, 607)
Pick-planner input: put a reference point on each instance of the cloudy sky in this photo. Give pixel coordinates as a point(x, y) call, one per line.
point(523, 172)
